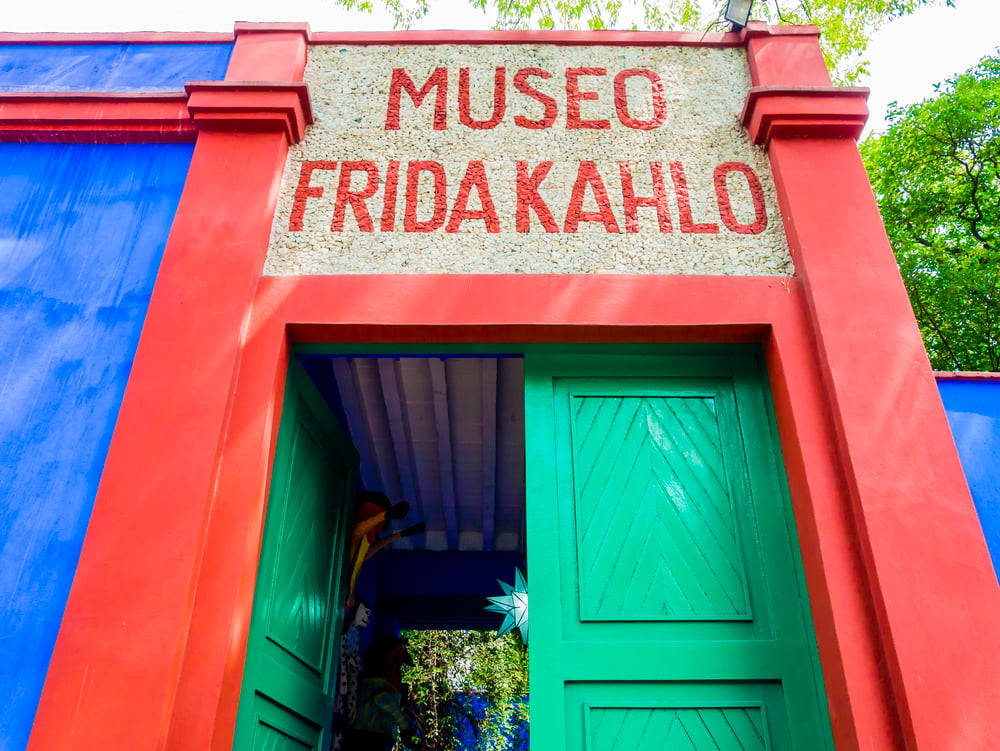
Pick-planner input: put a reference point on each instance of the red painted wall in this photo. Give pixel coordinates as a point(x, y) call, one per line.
point(151, 649)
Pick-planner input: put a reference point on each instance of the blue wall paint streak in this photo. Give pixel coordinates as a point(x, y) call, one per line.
point(476, 707)
point(82, 231)
point(110, 67)
point(973, 409)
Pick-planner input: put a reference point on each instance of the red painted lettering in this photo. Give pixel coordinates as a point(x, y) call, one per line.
point(657, 201)
point(722, 172)
point(401, 81)
point(388, 223)
point(475, 176)
point(499, 100)
point(684, 204)
point(413, 172)
point(659, 99)
point(528, 197)
point(574, 96)
point(305, 191)
point(587, 174)
point(549, 103)
point(356, 198)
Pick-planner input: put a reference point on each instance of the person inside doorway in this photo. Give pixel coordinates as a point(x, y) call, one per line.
point(380, 718)
point(345, 703)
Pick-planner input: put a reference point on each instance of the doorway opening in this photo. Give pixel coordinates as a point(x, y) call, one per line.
point(668, 599)
point(445, 434)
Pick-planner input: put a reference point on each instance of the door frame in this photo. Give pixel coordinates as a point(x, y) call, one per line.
point(603, 353)
point(488, 312)
point(206, 653)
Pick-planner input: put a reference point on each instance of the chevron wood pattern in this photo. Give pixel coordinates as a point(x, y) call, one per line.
point(677, 729)
point(667, 604)
point(657, 534)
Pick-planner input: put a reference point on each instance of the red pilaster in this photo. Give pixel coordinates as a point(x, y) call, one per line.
point(121, 651)
point(932, 589)
point(269, 52)
point(791, 57)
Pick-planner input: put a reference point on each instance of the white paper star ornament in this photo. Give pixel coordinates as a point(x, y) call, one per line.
point(513, 604)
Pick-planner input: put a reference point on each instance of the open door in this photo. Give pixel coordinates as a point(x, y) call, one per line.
point(668, 607)
point(295, 628)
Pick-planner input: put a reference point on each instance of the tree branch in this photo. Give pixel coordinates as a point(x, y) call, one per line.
point(930, 321)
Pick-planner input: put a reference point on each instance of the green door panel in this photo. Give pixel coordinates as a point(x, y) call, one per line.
point(656, 534)
point(685, 716)
point(675, 728)
point(668, 607)
point(277, 729)
point(297, 612)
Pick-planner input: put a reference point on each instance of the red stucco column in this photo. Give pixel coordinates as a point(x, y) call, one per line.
point(114, 674)
point(930, 580)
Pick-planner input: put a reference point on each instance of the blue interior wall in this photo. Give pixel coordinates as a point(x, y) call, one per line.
point(110, 67)
point(82, 231)
point(973, 409)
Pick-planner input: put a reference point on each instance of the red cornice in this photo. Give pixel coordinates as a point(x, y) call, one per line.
point(965, 375)
point(120, 37)
point(805, 112)
point(567, 38)
point(129, 118)
point(758, 29)
point(95, 118)
point(253, 27)
point(575, 38)
point(250, 106)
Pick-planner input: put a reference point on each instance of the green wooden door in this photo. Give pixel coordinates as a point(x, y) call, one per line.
point(297, 612)
point(668, 608)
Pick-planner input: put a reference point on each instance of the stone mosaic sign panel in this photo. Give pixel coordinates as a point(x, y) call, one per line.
point(527, 159)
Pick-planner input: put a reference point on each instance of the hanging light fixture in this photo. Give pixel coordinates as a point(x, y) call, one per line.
point(738, 13)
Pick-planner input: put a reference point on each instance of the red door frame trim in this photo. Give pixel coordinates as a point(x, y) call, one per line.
point(543, 309)
point(151, 651)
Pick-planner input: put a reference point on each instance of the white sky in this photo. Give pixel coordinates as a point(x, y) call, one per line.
point(908, 56)
point(912, 54)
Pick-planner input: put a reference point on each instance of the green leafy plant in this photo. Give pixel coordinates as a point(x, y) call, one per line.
point(450, 665)
point(847, 25)
point(936, 176)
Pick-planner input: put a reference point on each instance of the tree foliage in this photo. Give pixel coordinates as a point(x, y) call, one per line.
point(452, 666)
point(936, 175)
point(847, 25)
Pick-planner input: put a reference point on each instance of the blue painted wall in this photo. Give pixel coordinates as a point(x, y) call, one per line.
point(110, 67)
point(476, 707)
point(82, 231)
point(973, 409)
